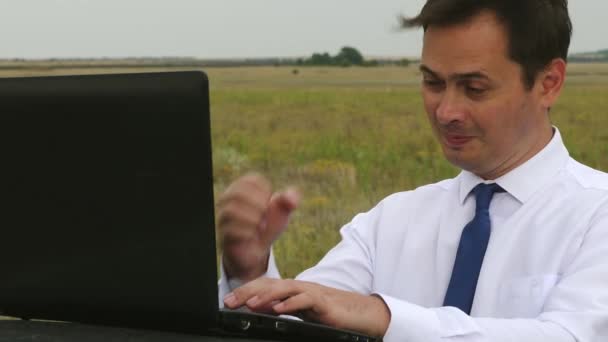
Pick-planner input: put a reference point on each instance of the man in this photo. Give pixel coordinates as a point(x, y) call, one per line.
point(515, 248)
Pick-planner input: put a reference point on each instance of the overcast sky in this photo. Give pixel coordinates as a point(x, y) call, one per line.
point(231, 28)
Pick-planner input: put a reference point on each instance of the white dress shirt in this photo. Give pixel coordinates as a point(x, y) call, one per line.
point(545, 272)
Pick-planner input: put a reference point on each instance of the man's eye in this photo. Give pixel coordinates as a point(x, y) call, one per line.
point(476, 91)
point(435, 84)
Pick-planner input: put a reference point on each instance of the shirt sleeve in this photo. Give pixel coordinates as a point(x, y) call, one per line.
point(349, 265)
point(413, 323)
point(226, 285)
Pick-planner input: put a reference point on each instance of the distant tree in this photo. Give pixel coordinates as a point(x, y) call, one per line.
point(346, 57)
point(371, 63)
point(343, 62)
point(404, 62)
point(350, 56)
point(320, 59)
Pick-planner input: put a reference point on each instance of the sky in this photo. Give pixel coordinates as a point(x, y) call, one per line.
point(212, 29)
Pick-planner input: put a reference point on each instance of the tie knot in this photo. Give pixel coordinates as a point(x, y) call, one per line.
point(483, 194)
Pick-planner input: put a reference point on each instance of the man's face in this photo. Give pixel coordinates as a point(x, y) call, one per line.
point(475, 98)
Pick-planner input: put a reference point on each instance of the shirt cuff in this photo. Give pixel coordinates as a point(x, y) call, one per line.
point(226, 285)
point(410, 322)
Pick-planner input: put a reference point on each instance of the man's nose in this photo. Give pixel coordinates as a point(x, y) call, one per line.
point(451, 108)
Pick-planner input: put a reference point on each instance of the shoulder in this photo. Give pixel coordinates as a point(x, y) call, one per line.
point(587, 177)
point(584, 191)
point(394, 213)
point(422, 194)
point(402, 204)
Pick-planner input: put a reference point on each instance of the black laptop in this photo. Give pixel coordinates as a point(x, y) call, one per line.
point(107, 207)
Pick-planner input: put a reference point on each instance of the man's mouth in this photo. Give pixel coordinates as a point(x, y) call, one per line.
point(456, 140)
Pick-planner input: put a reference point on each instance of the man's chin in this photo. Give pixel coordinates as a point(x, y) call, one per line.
point(461, 160)
point(472, 166)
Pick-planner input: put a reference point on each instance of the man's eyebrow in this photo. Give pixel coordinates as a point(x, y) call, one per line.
point(426, 70)
point(457, 77)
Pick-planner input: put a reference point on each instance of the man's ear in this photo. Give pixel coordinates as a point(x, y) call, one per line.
point(551, 81)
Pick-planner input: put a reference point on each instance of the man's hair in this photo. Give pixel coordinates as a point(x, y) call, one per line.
point(538, 30)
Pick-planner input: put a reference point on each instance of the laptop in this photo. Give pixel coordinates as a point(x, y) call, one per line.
point(107, 207)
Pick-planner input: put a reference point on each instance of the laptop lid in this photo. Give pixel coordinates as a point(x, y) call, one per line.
point(107, 200)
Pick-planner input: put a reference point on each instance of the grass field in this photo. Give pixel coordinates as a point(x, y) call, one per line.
point(347, 137)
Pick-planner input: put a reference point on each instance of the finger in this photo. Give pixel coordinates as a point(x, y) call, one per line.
point(275, 291)
point(262, 291)
point(242, 206)
point(247, 194)
point(240, 213)
point(280, 207)
point(254, 180)
point(238, 223)
point(241, 295)
point(266, 309)
point(255, 203)
point(300, 302)
point(244, 203)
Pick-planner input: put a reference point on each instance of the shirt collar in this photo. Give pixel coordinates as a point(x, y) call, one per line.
point(523, 181)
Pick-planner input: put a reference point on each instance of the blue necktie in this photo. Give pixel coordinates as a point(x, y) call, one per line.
point(471, 250)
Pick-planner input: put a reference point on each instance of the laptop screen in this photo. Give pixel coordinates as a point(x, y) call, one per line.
point(107, 200)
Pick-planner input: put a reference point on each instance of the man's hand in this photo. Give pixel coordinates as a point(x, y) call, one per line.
point(313, 302)
point(250, 218)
